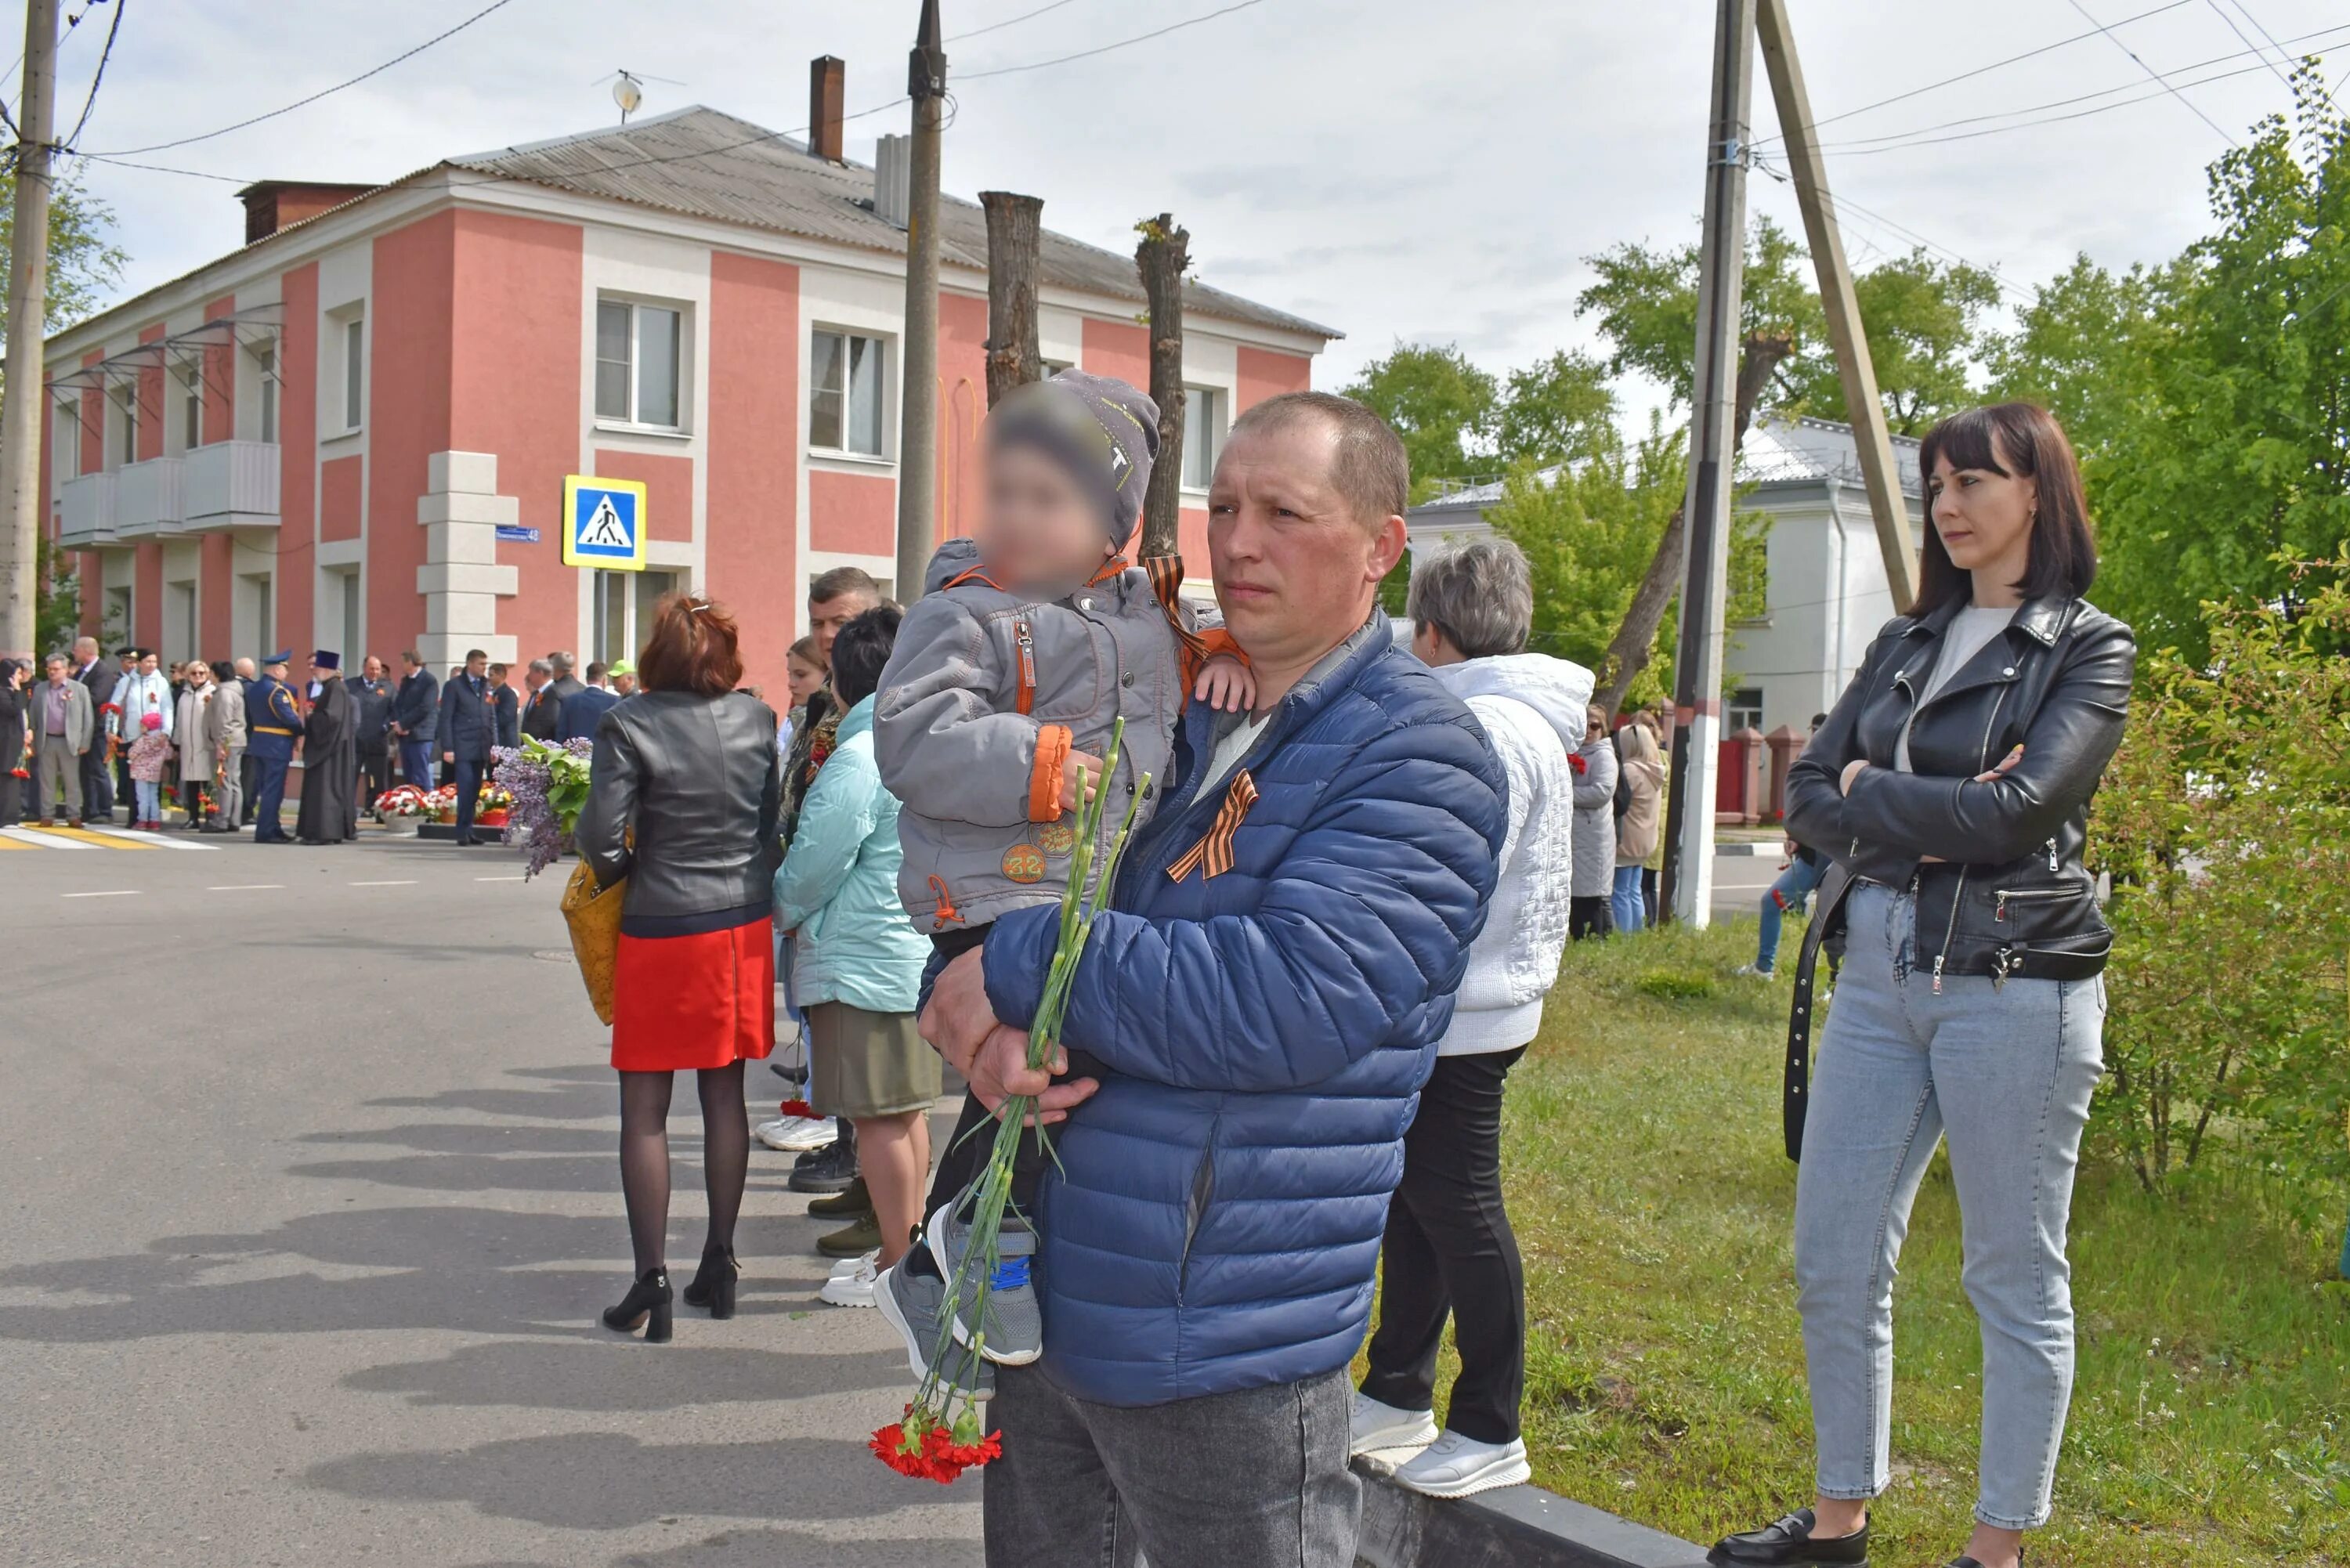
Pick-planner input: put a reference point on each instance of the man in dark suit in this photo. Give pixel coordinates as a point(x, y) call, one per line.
point(414, 708)
point(98, 674)
point(585, 706)
point(540, 708)
point(370, 697)
point(468, 727)
point(564, 686)
point(507, 705)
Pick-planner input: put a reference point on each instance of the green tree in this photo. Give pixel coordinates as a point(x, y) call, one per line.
point(1924, 323)
point(1558, 410)
point(1645, 302)
point(2085, 348)
point(84, 262)
point(2236, 450)
point(1441, 405)
point(56, 598)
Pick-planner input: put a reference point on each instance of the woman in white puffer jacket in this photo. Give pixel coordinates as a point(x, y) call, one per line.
point(1447, 1249)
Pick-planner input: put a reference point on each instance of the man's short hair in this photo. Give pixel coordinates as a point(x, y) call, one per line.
point(473, 654)
point(55, 659)
point(840, 582)
point(497, 671)
point(1369, 467)
point(409, 656)
point(1479, 596)
point(542, 666)
point(595, 670)
point(561, 663)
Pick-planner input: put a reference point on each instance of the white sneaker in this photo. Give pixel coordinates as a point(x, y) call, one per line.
point(797, 1135)
point(850, 1265)
point(1380, 1429)
point(1455, 1466)
point(1756, 972)
point(854, 1287)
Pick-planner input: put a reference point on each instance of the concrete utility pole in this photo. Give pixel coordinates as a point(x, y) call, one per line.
point(1687, 885)
point(1854, 366)
point(21, 502)
point(918, 423)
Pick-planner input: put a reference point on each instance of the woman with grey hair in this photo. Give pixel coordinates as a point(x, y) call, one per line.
point(1448, 1248)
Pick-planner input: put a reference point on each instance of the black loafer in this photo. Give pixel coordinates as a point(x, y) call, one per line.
point(1788, 1543)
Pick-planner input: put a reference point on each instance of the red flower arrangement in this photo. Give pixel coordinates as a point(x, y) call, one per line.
point(928, 1449)
point(796, 1108)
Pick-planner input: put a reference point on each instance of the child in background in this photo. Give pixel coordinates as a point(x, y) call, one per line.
point(1032, 639)
point(150, 753)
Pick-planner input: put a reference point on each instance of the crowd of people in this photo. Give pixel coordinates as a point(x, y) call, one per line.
point(208, 747)
point(1361, 851)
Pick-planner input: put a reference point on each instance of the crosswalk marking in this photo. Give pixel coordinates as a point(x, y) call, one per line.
point(154, 840)
point(46, 838)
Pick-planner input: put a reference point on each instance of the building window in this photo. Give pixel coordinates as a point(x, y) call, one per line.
point(1203, 435)
point(192, 433)
point(1744, 711)
point(354, 371)
point(268, 359)
point(623, 611)
point(636, 363)
point(127, 400)
point(845, 393)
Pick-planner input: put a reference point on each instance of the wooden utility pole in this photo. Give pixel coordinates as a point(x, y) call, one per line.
point(1854, 366)
point(917, 422)
point(1687, 886)
point(1014, 225)
point(21, 502)
point(1162, 258)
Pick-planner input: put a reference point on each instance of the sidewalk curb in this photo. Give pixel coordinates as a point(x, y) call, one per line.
point(1509, 1527)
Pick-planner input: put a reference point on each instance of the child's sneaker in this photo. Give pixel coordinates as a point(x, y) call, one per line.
point(1014, 1326)
point(910, 1302)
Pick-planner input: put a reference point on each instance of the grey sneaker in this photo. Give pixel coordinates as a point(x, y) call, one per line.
point(1014, 1325)
point(910, 1304)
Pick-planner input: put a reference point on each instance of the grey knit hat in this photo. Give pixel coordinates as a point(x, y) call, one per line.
point(1099, 428)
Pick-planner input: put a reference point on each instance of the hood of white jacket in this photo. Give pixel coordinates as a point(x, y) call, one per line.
point(1557, 688)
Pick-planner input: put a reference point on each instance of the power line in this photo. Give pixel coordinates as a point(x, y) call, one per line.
point(2282, 51)
point(1008, 21)
point(2221, 11)
point(1979, 70)
point(301, 103)
point(1105, 48)
point(104, 55)
point(2150, 71)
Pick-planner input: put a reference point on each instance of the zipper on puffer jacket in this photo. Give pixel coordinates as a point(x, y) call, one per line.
point(1982, 764)
point(1204, 1192)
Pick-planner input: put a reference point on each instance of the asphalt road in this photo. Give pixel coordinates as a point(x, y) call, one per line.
point(312, 1206)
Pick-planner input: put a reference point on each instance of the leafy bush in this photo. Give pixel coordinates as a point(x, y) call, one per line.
point(2225, 823)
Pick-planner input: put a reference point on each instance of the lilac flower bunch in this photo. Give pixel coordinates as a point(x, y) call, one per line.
point(549, 785)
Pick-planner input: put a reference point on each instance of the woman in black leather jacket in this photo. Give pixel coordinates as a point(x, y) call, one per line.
point(682, 798)
point(1951, 786)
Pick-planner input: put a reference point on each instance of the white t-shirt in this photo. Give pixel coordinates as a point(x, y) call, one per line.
point(1230, 750)
point(1969, 631)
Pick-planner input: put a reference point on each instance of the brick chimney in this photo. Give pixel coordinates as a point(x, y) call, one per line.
point(827, 74)
point(274, 205)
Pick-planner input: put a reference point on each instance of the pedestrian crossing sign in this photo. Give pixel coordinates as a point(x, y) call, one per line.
point(604, 523)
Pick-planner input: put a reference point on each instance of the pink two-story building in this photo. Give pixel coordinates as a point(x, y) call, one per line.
point(342, 434)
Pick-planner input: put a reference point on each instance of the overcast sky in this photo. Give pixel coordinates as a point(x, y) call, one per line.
point(1396, 170)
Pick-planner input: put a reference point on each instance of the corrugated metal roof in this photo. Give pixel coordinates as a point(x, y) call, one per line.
point(1779, 451)
point(707, 164)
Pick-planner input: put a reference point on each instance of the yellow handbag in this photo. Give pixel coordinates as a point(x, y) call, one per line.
point(593, 916)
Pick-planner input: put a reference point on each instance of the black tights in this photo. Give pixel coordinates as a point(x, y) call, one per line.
point(644, 1157)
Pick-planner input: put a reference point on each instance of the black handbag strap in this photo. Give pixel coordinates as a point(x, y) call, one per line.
point(1796, 1093)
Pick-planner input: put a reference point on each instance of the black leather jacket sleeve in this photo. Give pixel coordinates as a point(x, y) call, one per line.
point(602, 833)
point(2071, 737)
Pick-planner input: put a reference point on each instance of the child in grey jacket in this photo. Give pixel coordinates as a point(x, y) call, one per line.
point(1031, 641)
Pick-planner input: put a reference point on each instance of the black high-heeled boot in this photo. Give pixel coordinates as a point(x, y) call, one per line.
point(647, 1302)
point(714, 1282)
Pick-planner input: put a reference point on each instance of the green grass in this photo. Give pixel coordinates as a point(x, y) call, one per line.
point(2210, 1419)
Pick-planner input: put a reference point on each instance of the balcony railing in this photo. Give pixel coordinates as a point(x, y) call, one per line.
point(88, 519)
point(147, 498)
point(231, 484)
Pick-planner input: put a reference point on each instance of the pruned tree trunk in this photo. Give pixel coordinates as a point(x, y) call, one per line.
point(1163, 257)
point(1014, 359)
point(1758, 360)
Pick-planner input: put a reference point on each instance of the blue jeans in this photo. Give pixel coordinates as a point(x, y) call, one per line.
point(1786, 896)
point(2005, 1072)
point(1624, 900)
point(150, 795)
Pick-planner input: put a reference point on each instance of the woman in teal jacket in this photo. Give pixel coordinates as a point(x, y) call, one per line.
point(858, 961)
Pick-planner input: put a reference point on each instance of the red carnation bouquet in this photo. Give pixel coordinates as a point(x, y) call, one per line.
point(940, 1436)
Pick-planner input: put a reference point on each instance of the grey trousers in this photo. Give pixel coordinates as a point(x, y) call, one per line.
point(55, 767)
point(1252, 1480)
point(229, 798)
point(2005, 1072)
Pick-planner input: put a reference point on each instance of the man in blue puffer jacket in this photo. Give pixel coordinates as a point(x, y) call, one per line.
point(1265, 996)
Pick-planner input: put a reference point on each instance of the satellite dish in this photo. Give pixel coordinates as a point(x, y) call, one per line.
point(628, 94)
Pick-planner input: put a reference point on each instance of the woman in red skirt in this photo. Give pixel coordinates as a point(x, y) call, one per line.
point(683, 803)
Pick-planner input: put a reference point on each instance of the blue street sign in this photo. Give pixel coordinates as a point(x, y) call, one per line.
point(509, 534)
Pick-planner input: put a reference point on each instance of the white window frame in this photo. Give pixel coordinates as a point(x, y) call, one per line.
point(127, 407)
point(885, 351)
point(266, 398)
point(1205, 409)
point(1732, 704)
point(634, 606)
point(632, 416)
point(191, 417)
point(354, 368)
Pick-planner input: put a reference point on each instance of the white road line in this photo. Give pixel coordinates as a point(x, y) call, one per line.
point(497, 879)
point(45, 840)
point(158, 840)
point(249, 888)
point(109, 893)
point(411, 882)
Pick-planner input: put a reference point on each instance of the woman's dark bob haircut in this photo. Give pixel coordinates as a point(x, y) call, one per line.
point(694, 647)
point(2018, 440)
point(860, 652)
